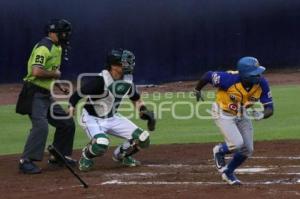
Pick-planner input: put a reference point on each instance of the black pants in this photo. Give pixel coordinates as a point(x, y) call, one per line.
point(42, 114)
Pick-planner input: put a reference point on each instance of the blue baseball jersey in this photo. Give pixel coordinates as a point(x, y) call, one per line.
point(231, 94)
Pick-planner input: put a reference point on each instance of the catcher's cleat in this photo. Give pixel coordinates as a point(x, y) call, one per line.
point(219, 158)
point(85, 164)
point(230, 178)
point(53, 162)
point(28, 167)
point(127, 161)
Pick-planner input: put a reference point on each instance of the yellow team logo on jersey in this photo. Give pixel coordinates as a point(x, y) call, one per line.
point(237, 96)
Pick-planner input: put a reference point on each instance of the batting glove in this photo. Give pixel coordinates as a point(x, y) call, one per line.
point(258, 115)
point(198, 95)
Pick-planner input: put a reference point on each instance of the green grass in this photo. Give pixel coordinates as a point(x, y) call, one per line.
point(285, 124)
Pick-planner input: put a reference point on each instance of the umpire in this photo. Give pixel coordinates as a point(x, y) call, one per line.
point(35, 99)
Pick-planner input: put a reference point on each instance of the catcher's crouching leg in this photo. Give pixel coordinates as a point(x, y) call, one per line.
point(97, 147)
point(123, 153)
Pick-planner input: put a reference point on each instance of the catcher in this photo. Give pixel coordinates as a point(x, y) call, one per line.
point(237, 91)
point(99, 115)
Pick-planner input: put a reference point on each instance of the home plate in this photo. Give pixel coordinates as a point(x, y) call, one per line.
point(251, 170)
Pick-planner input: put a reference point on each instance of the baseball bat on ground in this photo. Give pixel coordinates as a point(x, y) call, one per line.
point(53, 151)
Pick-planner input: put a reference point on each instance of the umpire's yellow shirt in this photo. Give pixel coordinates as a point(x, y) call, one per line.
point(47, 55)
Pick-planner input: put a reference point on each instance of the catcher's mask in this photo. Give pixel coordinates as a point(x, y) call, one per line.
point(250, 70)
point(125, 58)
point(62, 28)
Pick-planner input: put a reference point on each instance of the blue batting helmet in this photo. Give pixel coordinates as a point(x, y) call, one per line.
point(250, 70)
point(249, 66)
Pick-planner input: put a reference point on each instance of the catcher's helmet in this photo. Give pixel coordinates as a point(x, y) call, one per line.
point(250, 69)
point(62, 28)
point(125, 58)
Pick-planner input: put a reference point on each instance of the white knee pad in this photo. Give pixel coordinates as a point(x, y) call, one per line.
point(99, 144)
point(142, 137)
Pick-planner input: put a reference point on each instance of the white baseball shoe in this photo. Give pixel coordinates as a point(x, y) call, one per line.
point(230, 178)
point(219, 158)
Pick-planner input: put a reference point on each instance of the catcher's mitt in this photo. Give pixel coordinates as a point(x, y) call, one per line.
point(149, 116)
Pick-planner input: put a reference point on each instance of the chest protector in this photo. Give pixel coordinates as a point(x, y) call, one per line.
point(114, 91)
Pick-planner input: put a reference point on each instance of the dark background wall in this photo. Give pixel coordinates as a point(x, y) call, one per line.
point(172, 39)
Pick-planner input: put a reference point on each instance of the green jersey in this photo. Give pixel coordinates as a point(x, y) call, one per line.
point(46, 55)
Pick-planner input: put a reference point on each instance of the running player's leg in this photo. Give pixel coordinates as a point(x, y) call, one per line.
point(240, 156)
point(233, 144)
point(246, 129)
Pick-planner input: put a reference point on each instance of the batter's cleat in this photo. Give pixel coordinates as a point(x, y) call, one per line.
point(26, 166)
point(219, 158)
point(85, 164)
point(53, 162)
point(127, 161)
point(230, 178)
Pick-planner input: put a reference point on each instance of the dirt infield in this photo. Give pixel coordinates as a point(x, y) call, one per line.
point(168, 171)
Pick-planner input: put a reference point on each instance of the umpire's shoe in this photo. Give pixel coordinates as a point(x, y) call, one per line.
point(230, 178)
point(219, 158)
point(53, 162)
point(28, 167)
